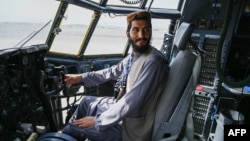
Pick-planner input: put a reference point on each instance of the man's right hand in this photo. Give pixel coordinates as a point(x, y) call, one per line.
point(72, 79)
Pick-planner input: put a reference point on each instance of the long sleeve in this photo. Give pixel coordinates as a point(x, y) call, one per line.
point(101, 76)
point(145, 86)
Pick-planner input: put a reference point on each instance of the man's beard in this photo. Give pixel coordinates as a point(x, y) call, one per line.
point(139, 49)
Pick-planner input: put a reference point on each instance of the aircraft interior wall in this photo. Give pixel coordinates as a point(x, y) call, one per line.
point(34, 77)
point(212, 95)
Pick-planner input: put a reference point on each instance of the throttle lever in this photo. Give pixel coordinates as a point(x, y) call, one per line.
point(67, 91)
point(63, 78)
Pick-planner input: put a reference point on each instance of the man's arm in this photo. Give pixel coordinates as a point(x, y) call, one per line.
point(95, 77)
point(101, 76)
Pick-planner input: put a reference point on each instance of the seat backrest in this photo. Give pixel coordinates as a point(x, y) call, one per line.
point(181, 82)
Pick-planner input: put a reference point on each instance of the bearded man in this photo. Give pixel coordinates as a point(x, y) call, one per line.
point(141, 76)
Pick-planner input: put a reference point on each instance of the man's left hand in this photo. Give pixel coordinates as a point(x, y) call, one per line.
point(85, 122)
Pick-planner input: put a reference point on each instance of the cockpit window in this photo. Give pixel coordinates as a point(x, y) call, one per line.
point(109, 36)
point(70, 34)
point(74, 35)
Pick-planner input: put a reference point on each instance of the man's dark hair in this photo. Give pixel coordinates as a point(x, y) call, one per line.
point(138, 15)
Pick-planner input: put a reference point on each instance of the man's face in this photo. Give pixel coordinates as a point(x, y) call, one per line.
point(140, 35)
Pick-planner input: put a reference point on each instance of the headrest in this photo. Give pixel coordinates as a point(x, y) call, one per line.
point(182, 35)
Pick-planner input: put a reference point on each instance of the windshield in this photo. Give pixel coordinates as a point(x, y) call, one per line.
point(32, 26)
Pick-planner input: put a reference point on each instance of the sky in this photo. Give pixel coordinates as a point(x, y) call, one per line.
point(20, 10)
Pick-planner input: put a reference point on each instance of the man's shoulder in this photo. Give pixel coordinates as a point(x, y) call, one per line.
point(157, 54)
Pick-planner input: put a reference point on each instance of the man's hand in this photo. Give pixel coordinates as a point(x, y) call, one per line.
point(85, 122)
point(72, 78)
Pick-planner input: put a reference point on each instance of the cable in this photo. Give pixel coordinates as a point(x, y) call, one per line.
point(130, 2)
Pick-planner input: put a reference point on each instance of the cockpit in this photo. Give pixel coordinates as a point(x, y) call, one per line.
point(42, 41)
